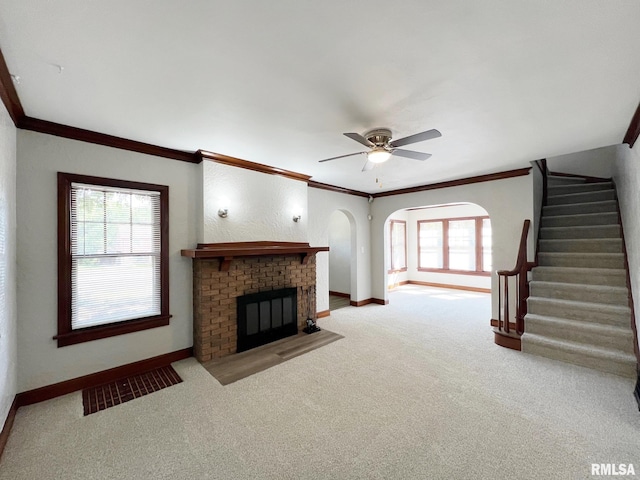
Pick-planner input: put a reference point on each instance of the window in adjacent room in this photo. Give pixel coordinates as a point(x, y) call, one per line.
point(457, 245)
point(113, 271)
point(398, 245)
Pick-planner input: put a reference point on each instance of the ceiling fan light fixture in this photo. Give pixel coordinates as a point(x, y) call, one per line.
point(378, 155)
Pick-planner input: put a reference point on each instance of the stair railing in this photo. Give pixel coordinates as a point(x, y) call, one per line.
point(519, 276)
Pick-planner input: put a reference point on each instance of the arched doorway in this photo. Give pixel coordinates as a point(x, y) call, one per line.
point(341, 260)
point(444, 246)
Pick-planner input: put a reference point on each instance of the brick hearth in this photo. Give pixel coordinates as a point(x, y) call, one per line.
point(215, 292)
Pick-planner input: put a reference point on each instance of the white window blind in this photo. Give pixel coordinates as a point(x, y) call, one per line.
point(115, 254)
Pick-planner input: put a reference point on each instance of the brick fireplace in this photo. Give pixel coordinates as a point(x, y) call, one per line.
point(222, 272)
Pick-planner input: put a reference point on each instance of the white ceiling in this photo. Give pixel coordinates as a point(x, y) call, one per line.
point(278, 82)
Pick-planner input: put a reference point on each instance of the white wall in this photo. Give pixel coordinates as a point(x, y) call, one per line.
point(508, 202)
point(454, 211)
point(8, 306)
point(261, 206)
point(40, 156)
point(339, 253)
point(598, 162)
point(322, 203)
point(626, 175)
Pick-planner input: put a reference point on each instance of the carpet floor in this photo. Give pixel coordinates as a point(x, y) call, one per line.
point(415, 389)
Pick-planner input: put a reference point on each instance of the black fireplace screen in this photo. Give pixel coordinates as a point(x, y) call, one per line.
point(266, 316)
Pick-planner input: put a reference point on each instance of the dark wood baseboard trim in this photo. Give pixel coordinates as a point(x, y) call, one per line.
point(323, 314)
point(8, 423)
point(507, 341)
point(512, 325)
point(362, 303)
point(379, 301)
point(339, 294)
point(454, 287)
point(99, 378)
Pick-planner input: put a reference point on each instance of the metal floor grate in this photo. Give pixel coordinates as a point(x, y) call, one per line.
point(114, 393)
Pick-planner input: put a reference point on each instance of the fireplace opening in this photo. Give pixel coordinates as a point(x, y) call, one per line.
point(266, 316)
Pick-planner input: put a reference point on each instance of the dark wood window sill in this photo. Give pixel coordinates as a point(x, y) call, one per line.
point(110, 330)
point(455, 272)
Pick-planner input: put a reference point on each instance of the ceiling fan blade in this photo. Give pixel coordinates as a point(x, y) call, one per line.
point(341, 156)
point(411, 154)
point(368, 166)
point(418, 137)
point(359, 138)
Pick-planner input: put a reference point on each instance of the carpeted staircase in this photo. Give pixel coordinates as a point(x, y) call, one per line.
point(578, 308)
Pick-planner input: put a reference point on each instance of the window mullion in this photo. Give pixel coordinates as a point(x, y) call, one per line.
point(445, 244)
point(479, 244)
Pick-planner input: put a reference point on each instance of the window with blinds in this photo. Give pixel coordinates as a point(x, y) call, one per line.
point(115, 250)
point(113, 259)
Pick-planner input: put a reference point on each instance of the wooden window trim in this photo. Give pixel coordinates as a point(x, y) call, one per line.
point(445, 247)
point(66, 335)
point(401, 269)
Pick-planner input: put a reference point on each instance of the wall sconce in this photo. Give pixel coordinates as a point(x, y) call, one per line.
point(223, 209)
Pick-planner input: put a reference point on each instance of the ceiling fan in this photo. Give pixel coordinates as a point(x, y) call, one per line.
point(382, 148)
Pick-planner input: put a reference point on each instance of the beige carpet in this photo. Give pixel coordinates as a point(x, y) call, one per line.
point(416, 389)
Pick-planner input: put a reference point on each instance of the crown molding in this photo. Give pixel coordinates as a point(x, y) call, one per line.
point(333, 188)
point(74, 133)
point(246, 164)
point(457, 183)
point(634, 129)
point(9, 94)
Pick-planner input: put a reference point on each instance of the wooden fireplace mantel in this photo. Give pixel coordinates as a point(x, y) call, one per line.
point(227, 251)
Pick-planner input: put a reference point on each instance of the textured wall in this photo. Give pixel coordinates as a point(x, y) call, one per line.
point(261, 206)
point(39, 158)
point(339, 253)
point(322, 204)
point(598, 162)
point(8, 309)
point(626, 175)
